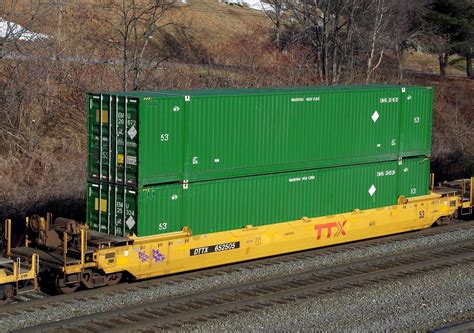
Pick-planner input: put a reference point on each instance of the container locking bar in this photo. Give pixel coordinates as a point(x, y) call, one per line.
point(124, 215)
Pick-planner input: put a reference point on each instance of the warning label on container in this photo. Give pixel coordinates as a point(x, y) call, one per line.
point(214, 248)
point(132, 132)
point(130, 222)
point(132, 160)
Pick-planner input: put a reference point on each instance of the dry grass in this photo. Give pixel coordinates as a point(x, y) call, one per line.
point(215, 23)
point(211, 23)
point(423, 62)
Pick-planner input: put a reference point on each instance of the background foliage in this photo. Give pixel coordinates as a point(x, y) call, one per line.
point(158, 44)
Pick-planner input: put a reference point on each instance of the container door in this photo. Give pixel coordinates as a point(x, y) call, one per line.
point(415, 127)
point(126, 144)
point(112, 209)
point(99, 139)
point(113, 142)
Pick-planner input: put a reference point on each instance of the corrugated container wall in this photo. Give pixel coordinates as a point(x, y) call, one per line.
point(219, 205)
point(215, 134)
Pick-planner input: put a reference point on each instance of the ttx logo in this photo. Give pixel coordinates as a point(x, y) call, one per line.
point(329, 227)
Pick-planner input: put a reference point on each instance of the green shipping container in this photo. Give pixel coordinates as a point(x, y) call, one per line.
point(219, 205)
point(213, 134)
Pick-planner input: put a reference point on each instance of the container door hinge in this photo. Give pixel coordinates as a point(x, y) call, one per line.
point(187, 98)
point(400, 161)
point(185, 184)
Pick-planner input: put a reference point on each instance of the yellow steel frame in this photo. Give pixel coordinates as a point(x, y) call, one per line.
point(177, 252)
point(18, 274)
point(8, 237)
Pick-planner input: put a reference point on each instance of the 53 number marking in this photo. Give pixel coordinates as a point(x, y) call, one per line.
point(163, 226)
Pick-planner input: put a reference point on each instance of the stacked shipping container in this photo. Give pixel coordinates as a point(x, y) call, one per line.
point(226, 204)
point(204, 135)
point(221, 159)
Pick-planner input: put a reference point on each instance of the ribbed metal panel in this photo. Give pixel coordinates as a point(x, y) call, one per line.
point(238, 135)
point(215, 134)
point(162, 207)
point(218, 205)
point(416, 122)
point(416, 177)
point(161, 140)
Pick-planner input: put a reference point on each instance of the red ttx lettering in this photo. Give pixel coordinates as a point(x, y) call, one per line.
point(328, 226)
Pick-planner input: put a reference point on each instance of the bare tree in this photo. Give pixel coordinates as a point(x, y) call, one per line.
point(351, 39)
point(275, 14)
point(324, 25)
point(131, 27)
point(408, 31)
point(381, 16)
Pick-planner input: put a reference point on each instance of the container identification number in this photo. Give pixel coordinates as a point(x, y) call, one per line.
point(128, 211)
point(214, 248)
point(384, 100)
point(385, 173)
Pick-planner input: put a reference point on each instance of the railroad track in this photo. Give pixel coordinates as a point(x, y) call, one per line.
point(30, 295)
point(211, 304)
point(25, 296)
point(38, 301)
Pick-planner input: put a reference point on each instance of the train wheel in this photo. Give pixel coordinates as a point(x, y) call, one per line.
point(65, 288)
point(113, 279)
point(445, 220)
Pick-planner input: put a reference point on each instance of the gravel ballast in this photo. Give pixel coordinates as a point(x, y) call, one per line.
point(413, 303)
point(102, 303)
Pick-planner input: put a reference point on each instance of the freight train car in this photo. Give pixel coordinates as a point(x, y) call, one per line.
point(147, 138)
point(73, 256)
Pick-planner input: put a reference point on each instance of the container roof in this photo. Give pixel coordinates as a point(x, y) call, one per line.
point(258, 91)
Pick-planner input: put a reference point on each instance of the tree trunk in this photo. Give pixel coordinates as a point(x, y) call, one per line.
point(443, 63)
point(278, 33)
point(334, 63)
point(399, 54)
point(469, 67)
